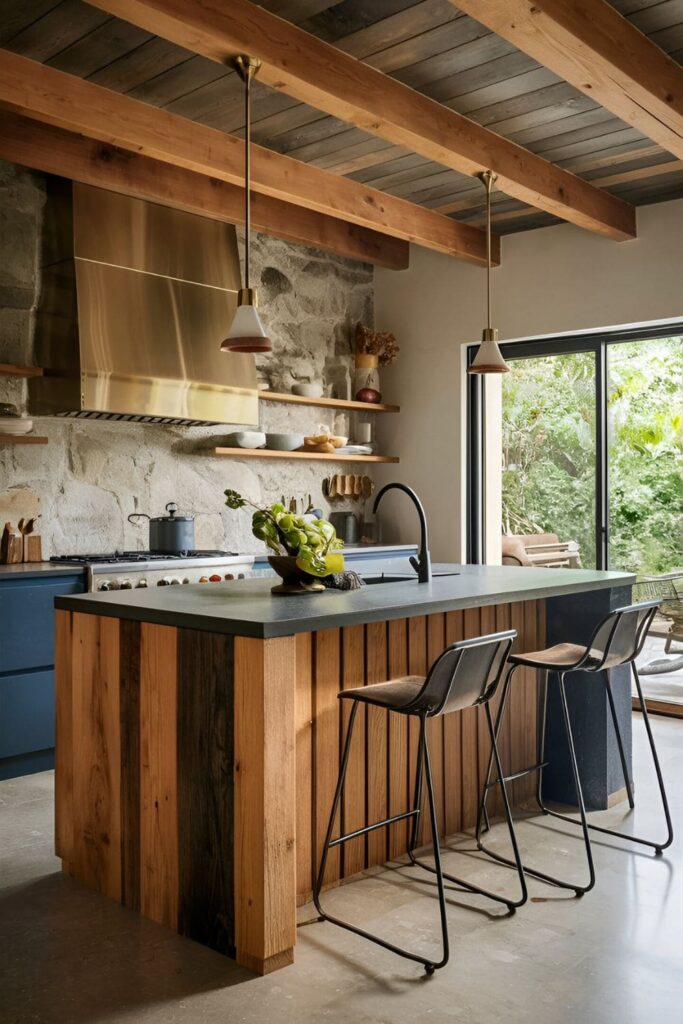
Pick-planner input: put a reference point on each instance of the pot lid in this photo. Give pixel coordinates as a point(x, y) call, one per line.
point(172, 516)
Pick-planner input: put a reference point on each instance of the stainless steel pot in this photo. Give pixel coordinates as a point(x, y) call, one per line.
point(171, 534)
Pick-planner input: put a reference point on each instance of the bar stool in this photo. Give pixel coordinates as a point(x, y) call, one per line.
point(618, 640)
point(466, 674)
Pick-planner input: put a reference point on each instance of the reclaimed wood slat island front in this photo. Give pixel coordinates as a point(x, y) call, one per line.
point(198, 736)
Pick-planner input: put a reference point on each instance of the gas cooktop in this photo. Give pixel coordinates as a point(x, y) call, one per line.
point(116, 557)
point(126, 570)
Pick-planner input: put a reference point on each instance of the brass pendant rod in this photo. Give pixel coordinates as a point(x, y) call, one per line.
point(488, 178)
point(247, 68)
point(247, 178)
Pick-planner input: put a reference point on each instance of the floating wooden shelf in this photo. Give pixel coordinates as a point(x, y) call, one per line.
point(10, 370)
point(328, 403)
point(265, 453)
point(22, 439)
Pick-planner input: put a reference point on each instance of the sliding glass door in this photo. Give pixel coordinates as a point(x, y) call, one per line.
point(645, 474)
point(549, 450)
point(593, 456)
point(593, 448)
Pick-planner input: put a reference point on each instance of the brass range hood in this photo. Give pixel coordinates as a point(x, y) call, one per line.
point(133, 305)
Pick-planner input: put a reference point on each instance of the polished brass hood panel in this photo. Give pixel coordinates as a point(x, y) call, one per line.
point(111, 228)
point(131, 324)
point(136, 355)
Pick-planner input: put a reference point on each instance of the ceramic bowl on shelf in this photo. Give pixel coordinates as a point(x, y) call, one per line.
point(284, 442)
point(307, 390)
point(15, 425)
point(246, 439)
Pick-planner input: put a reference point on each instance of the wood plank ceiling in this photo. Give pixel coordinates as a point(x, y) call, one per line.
point(428, 45)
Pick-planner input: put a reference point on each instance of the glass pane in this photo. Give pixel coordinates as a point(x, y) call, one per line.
point(549, 450)
point(645, 405)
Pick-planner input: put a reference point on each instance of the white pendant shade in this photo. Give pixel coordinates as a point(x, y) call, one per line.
point(247, 333)
point(489, 358)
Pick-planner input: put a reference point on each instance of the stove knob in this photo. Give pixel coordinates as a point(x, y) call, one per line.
point(241, 576)
point(185, 579)
point(174, 580)
point(215, 578)
point(104, 585)
point(164, 582)
point(141, 583)
point(203, 579)
point(126, 585)
point(229, 576)
point(114, 585)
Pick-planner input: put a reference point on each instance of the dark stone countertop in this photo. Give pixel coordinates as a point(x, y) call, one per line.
point(27, 570)
point(247, 608)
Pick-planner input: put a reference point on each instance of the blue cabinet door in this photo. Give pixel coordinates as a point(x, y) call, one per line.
point(27, 621)
point(27, 713)
point(27, 697)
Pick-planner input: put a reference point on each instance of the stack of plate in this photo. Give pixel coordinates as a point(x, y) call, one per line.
point(15, 425)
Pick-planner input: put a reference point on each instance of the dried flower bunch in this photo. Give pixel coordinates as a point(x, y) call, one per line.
point(377, 343)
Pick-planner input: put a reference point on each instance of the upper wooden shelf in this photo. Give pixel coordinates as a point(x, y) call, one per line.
point(328, 403)
point(22, 439)
point(268, 453)
point(10, 370)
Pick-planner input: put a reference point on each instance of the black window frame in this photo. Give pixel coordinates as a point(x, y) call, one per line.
point(597, 342)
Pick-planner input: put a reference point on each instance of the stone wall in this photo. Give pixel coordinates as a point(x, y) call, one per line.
point(93, 474)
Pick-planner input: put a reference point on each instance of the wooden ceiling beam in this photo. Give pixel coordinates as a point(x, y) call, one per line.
point(591, 46)
point(55, 151)
point(324, 77)
point(64, 101)
point(618, 178)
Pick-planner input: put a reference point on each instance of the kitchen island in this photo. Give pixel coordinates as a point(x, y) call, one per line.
point(198, 735)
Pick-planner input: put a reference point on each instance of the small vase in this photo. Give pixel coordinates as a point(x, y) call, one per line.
point(294, 579)
point(366, 379)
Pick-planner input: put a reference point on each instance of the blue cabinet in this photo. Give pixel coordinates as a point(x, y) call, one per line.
point(27, 700)
point(27, 713)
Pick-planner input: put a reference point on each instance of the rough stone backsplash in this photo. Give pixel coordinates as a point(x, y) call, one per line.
point(92, 474)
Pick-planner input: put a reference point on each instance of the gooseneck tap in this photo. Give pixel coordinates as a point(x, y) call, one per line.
point(421, 564)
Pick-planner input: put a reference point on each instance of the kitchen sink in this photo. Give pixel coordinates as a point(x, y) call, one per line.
point(386, 578)
point(389, 578)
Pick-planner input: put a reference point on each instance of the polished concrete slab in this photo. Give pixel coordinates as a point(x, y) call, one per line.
point(614, 957)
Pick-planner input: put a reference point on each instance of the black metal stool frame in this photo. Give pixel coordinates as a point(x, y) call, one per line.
point(539, 766)
point(592, 664)
point(423, 773)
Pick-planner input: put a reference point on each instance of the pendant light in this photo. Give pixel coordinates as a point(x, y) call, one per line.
point(489, 358)
point(247, 333)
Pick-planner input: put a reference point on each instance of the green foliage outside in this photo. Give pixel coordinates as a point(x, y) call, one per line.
point(549, 452)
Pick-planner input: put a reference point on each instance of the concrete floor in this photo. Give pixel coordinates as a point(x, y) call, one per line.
point(613, 957)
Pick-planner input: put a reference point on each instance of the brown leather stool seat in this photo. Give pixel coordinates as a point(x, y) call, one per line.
point(395, 694)
point(561, 656)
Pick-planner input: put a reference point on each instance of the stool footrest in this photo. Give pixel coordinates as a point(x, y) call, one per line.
point(371, 828)
point(517, 775)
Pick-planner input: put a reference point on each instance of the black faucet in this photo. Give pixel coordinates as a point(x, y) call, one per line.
point(422, 564)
